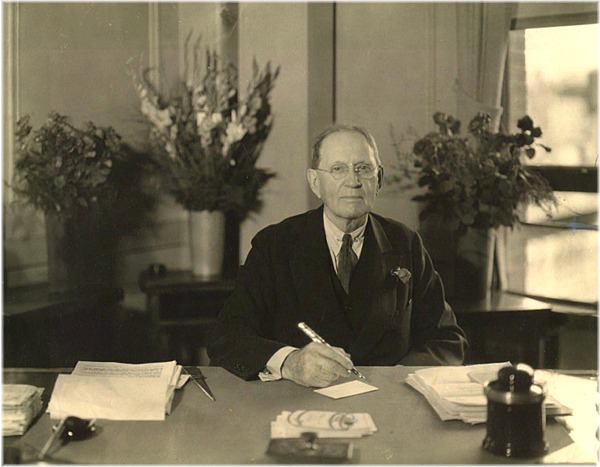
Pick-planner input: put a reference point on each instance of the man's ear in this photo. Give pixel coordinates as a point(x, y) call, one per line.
point(313, 182)
point(379, 178)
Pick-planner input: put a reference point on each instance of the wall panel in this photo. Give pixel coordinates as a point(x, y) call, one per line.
point(395, 65)
point(70, 58)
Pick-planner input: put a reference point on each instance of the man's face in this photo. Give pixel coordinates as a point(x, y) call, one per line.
point(349, 198)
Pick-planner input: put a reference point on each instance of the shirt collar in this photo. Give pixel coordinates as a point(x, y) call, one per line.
point(334, 233)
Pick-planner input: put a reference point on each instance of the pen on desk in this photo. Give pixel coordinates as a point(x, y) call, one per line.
point(313, 336)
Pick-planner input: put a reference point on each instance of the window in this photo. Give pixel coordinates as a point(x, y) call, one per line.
point(552, 75)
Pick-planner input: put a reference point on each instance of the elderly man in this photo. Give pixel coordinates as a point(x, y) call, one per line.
point(363, 282)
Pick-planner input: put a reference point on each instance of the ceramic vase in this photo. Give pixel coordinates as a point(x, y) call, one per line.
point(207, 240)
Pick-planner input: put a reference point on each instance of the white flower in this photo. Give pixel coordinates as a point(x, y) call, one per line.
point(159, 118)
point(201, 100)
point(200, 116)
point(217, 117)
point(234, 132)
point(173, 132)
point(147, 108)
point(171, 150)
point(163, 118)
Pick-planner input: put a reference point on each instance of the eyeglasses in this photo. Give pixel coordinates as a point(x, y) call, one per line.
point(364, 171)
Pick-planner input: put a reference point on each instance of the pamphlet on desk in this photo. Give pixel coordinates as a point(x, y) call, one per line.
point(456, 392)
point(117, 391)
point(324, 424)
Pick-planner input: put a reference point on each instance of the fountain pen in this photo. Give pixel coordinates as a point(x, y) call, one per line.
point(313, 336)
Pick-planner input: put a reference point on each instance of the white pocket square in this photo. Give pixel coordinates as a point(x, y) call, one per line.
point(401, 274)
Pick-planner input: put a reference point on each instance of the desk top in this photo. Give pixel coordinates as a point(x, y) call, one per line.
point(236, 428)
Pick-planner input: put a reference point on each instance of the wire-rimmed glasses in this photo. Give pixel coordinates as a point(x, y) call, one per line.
point(365, 171)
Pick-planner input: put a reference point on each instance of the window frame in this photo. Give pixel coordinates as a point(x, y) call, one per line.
point(582, 178)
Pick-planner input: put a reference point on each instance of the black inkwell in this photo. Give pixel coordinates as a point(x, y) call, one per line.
point(516, 416)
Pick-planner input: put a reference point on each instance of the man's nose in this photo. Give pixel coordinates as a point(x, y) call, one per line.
point(353, 177)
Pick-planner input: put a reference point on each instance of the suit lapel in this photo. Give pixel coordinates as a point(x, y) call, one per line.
point(312, 270)
point(377, 300)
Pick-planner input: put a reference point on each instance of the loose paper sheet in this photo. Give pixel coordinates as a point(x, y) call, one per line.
point(351, 388)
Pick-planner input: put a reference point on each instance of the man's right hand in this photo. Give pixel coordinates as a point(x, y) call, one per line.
point(316, 365)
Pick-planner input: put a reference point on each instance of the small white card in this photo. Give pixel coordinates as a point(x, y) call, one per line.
point(351, 388)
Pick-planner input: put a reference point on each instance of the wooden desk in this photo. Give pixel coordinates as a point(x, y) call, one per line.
point(182, 309)
point(508, 327)
point(236, 428)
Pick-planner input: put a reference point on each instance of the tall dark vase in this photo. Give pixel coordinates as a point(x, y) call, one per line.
point(81, 255)
point(440, 242)
point(231, 257)
point(474, 264)
point(464, 262)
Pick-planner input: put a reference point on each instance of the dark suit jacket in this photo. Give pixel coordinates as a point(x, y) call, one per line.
point(289, 277)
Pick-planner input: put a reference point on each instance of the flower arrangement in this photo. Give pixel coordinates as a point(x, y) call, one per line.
point(480, 179)
point(206, 138)
point(61, 168)
point(70, 172)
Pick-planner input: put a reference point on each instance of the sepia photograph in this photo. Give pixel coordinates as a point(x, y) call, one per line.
point(300, 232)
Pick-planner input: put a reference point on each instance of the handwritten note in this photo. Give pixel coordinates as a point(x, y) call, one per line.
point(351, 388)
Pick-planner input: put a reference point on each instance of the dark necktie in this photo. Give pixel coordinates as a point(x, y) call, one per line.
point(347, 259)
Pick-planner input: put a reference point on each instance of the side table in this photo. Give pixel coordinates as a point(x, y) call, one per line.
point(182, 309)
point(44, 330)
point(509, 327)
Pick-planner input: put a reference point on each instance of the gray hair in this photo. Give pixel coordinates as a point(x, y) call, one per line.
point(316, 151)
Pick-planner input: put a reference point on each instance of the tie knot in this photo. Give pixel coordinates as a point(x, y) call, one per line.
point(347, 240)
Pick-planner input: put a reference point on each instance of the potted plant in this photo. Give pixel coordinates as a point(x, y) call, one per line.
point(475, 184)
point(88, 184)
point(206, 140)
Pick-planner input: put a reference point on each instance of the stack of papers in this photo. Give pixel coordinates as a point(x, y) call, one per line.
point(323, 424)
point(116, 391)
point(20, 404)
point(456, 392)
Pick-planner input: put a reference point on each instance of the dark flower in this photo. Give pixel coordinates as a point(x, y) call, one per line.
point(421, 146)
point(478, 180)
point(525, 123)
point(439, 118)
point(453, 125)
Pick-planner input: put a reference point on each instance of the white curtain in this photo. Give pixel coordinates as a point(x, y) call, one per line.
point(483, 33)
point(482, 30)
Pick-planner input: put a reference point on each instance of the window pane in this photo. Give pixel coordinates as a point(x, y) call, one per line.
point(561, 80)
point(554, 263)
